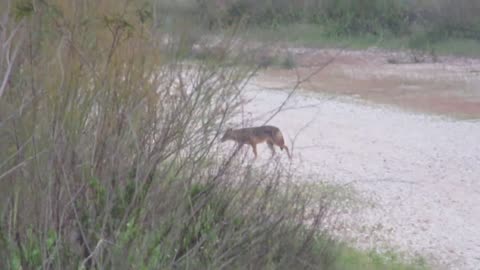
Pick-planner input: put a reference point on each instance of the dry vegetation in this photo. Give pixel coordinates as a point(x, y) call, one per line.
point(109, 156)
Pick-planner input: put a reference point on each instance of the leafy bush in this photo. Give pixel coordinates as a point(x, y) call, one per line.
point(365, 16)
point(270, 13)
point(445, 18)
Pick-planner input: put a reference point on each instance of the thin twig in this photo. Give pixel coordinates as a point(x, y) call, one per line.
point(299, 82)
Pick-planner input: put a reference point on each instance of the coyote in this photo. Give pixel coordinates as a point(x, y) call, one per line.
point(256, 135)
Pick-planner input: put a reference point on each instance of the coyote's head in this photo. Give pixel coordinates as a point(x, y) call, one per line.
point(228, 135)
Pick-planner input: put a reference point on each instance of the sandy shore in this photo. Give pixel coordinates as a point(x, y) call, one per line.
point(420, 172)
point(405, 136)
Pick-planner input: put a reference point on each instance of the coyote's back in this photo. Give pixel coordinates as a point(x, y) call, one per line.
point(255, 135)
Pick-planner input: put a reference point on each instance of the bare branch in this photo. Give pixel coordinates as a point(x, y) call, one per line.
point(8, 57)
point(300, 81)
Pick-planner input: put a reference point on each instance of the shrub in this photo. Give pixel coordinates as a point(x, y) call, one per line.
point(445, 18)
point(109, 154)
point(365, 16)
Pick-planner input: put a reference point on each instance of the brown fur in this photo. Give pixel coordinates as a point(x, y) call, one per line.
point(255, 135)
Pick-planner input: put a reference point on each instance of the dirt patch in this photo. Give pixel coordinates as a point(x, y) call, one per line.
point(449, 87)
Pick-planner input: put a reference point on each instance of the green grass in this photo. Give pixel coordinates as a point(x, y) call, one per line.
point(348, 257)
point(352, 259)
point(312, 35)
point(458, 47)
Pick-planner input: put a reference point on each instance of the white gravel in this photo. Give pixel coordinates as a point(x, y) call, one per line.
point(421, 172)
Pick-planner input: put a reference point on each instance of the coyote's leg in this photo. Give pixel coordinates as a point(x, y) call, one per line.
point(288, 152)
point(270, 145)
point(239, 145)
point(237, 149)
point(254, 147)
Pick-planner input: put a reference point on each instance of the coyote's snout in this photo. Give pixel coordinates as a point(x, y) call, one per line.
point(256, 135)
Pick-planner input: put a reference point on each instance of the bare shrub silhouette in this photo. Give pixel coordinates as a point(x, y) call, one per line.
point(109, 154)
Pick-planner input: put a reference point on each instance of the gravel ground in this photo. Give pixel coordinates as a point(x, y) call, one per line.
point(421, 172)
